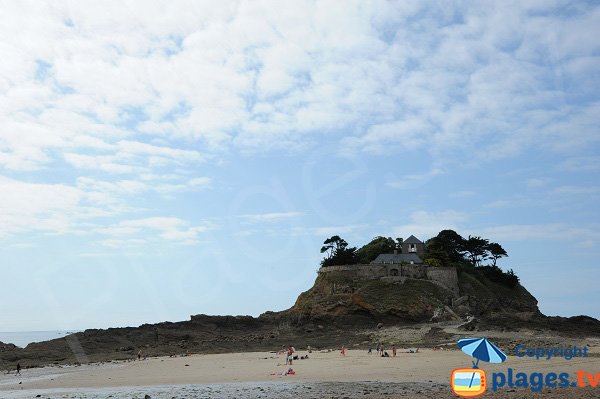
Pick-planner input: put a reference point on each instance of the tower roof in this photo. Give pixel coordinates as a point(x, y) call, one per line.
point(412, 240)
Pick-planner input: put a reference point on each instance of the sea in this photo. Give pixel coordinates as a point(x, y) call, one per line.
point(23, 338)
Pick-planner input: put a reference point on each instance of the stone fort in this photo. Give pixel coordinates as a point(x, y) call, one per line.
point(399, 267)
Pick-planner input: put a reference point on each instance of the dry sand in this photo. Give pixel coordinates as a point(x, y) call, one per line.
point(428, 369)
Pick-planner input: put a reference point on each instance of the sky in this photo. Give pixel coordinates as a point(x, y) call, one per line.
point(169, 158)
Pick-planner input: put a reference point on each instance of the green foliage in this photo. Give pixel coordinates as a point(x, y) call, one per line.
point(496, 252)
point(497, 275)
point(429, 261)
point(333, 244)
point(445, 248)
point(338, 252)
point(378, 245)
point(476, 249)
point(448, 248)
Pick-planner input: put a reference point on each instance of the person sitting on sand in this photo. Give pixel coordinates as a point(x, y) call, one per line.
point(385, 354)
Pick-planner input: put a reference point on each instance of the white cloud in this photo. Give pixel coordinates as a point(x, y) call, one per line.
point(114, 191)
point(271, 217)
point(26, 207)
point(105, 163)
point(256, 76)
point(550, 231)
point(136, 97)
point(150, 230)
point(409, 134)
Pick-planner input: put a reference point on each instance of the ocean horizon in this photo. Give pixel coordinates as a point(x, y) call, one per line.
point(24, 338)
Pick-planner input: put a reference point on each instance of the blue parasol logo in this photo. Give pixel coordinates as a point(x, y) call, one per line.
point(468, 383)
point(481, 349)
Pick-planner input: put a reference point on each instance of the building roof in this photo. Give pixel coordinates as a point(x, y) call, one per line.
point(412, 240)
point(397, 258)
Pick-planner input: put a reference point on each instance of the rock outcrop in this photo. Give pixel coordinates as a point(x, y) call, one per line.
point(335, 311)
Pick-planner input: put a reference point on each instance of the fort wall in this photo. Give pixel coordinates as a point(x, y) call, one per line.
point(446, 277)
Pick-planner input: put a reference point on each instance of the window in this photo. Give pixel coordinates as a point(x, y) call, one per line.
point(412, 247)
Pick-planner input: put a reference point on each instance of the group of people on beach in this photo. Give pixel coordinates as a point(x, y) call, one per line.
point(383, 353)
point(381, 350)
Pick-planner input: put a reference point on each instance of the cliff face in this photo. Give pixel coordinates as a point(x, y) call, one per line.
point(488, 299)
point(340, 298)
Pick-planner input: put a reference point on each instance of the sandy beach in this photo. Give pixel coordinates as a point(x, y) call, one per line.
point(222, 374)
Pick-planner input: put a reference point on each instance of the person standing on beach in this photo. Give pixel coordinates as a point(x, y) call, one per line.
point(394, 350)
point(290, 356)
point(18, 369)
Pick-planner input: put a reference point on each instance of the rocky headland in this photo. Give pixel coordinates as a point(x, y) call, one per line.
point(336, 311)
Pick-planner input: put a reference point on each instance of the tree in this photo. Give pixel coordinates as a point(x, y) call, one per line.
point(496, 252)
point(338, 252)
point(447, 247)
point(476, 249)
point(399, 242)
point(332, 244)
point(378, 245)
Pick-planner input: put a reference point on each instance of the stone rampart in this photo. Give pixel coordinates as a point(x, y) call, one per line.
point(443, 276)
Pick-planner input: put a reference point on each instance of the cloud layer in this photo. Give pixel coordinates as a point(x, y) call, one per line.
point(254, 75)
point(135, 99)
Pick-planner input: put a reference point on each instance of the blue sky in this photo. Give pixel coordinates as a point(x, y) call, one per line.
point(163, 160)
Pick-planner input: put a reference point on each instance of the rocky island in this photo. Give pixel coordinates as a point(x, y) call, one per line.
point(403, 291)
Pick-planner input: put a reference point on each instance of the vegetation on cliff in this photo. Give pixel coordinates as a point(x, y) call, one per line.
point(484, 288)
point(447, 248)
